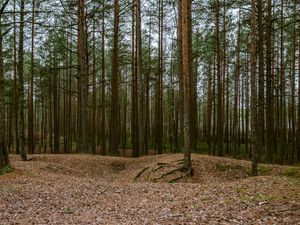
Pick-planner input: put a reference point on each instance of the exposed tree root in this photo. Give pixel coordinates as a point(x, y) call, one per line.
point(140, 173)
point(176, 179)
point(168, 173)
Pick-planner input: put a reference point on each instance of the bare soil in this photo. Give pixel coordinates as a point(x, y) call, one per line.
point(85, 189)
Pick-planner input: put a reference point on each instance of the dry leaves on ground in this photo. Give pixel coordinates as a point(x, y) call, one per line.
point(84, 189)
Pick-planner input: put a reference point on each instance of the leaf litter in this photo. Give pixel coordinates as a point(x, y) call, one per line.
point(85, 189)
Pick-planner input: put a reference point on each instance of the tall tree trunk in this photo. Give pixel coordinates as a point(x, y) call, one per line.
point(30, 95)
point(16, 93)
point(134, 91)
point(141, 79)
point(253, 91)
point(269, 86)
point(114, 118)
point(103, 99)
point(180, 77)
point(247, 100)
point(236, 96)
point(292, 78)
point(56, 129)
point(282, 113)
point(147, 93)
point(225, 79)
point(186, 7)
point(193, 120)
point(4, 160)
point(50, 116)
point(94, 97)
point(21, 84)
point(83, 78)
point(220, 85)
point(159, 92)
point(69, 114)
point(261, 80)
point(209, 109)
point(298, 130)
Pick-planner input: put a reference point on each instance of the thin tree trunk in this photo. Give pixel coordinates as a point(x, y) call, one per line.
point(21, 84)
point(159, 91)
point(141, 79)
point(94, 97)
point(56, 129)
point(220, 85)
point(298, 130)
point(236, 95)
point(179, 46)
point(103, 99)
point(282, 90)
point(16, 93)
point(293, 74)
point(147, 94)
point(209, 109)
point(30, 94)
point(253, 91)
point(134, 90)
point(269, 86)
point(261, 79)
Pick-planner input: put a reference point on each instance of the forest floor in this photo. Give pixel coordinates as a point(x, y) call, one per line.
point(85, 189)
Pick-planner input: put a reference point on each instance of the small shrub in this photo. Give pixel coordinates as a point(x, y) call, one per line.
point(6, 169)
point(264, 170)
point(292, 172)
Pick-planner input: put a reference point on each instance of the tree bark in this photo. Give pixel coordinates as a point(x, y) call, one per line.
point(134, 91)
point(269, 86)
point(114, 118)
point(83, 141)
point(159, 86)
point(253, 91)
point(261, 80)
point(21, 84)
point(30, 94)
point(186, 7)
point(4, 160)
point(220, 124)
point(103, 98)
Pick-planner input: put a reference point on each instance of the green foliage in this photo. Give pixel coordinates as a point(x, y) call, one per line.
point(246, 198)
point(263, 197)
point(264, 170)
point(241, 190)
point(242, 153)
point(202, 147)
point(6, 169)
point(293, 172)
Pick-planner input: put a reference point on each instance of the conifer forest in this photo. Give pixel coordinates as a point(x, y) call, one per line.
point(132, 97)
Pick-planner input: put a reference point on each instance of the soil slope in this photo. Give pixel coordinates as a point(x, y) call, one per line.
point(85, 189)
